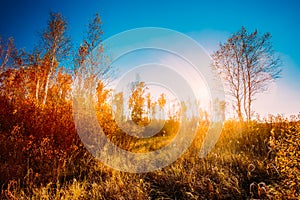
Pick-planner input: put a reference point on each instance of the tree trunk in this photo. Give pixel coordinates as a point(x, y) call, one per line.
point(239, 111)
point(37, 90)
point(249, 106)
point(46, 89)
point(249, 92)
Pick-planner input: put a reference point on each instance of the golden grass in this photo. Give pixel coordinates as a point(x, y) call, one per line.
point(258, 160)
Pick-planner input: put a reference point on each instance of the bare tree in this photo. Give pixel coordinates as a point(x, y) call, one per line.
point(247, 64)
point(7, 53)
point(91, 64)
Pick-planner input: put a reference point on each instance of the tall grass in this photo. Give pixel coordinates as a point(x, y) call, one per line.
point(42, 158)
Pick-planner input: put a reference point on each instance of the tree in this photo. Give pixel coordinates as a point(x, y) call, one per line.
point(247, 64)
point(55, 47)
point(7, 53)
point(12, 71)
point(90, 62)
point(161, 102)
point(102, 96)
point(61, 89)
point(35, 75)
point(7, 49)
point(148, 99)
point(153, 109)
point(118, 101)
point(137, 101)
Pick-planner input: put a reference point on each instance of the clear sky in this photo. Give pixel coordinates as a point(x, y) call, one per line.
point(208, 22)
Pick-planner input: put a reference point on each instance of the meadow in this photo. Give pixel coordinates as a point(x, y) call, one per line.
point(42, 157)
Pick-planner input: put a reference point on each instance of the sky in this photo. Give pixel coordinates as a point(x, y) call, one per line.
point(208, 22)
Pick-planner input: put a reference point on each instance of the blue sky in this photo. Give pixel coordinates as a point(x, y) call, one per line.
point(208, 22)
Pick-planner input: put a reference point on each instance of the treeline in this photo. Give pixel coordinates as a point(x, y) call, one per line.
point(38, 134)
point(46, 73)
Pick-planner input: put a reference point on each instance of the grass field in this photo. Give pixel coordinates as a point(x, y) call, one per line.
point(42, 158)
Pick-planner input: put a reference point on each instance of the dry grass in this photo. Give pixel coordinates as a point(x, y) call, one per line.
point(42, 158)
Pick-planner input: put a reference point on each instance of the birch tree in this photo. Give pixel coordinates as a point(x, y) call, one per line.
point(55, 46)
point(247, 64)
